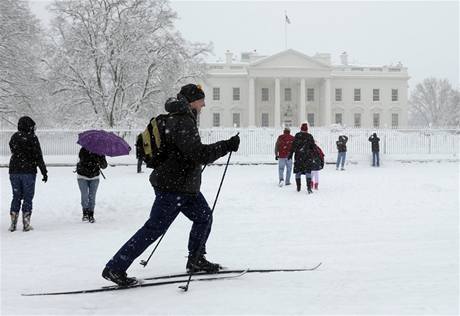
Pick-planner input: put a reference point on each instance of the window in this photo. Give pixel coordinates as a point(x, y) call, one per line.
point(264, 94)
point(264, 119)
point(310, 94)
point(394, 120)
point(357, 119)
point(216, 94)
point(236, 119)
point(394, 94)
point(376, 120)
point(311, 119)
point(338, 118)
point(236, 94)
point(376, 95)
point(338, 94)
point(357, 96)
point(287, 94)
point(216, 119)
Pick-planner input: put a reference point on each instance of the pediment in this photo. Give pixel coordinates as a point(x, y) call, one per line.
point(289, 59)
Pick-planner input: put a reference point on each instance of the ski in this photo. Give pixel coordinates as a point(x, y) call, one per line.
point(145, 282)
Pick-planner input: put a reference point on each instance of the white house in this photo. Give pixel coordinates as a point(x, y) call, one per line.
point(290, 87)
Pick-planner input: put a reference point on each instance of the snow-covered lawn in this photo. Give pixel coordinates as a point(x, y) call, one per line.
point(388, 239)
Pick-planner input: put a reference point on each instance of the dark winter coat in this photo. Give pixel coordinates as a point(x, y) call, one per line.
point(304, 149)
point(90, 164)
point(375, 142)
point(139, 147)
point(26, 153)
point(184, 152)
point(342, 144)
point(283, 145)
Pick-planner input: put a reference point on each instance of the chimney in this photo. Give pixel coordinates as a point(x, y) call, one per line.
point(344, 58)
point(228, 57)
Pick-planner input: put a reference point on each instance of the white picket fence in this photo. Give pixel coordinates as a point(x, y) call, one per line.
point(260, 141)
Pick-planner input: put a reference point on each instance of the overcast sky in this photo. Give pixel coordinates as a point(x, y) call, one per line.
point(423, 35)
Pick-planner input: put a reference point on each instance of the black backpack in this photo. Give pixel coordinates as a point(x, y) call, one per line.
point(153, 146)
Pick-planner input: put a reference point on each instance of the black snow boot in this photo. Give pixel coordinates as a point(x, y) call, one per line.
point(197, 264)
point(298, 182)
point(309, 186)
point(120, 278)
point(26, 221)
point(91, 216)
point(85, 217)
point(14, 221)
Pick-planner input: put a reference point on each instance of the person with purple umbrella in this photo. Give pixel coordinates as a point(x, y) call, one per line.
point(88, 171)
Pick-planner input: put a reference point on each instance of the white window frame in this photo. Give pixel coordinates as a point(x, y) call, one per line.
point(265, 94)
point(393, 115)
point(374, 121)
point(265, 119)
point(357, 123)
point(336, 116)
point(287, 94)
point(394, 95)
point(357, 94)
point(310, 94)
point(375, 95)
point(311, 119)
point(238, 121)
point(215, 119)
point(338, 94)
point(216, 94)
point(236, 95)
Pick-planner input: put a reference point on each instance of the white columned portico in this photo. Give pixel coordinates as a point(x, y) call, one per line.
point(303, 102)
point(252, 104)
point(277, 110)
point(327, 102)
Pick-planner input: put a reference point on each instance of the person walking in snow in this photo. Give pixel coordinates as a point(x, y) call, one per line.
point(139, 152)
point(375, 147)
point(303, 148)
point(282, 149)
point(88, 171)
point(342, 151)
point(176, 182)
point(26, 156)
point(315, 171)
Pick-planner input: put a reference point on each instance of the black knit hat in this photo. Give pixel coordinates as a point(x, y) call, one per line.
point(192, 92)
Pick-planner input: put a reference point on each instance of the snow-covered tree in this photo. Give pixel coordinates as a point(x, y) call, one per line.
point(21, 85)
point(435, 102)
point(113, 63)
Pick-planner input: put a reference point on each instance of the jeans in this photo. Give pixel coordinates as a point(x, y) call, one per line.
point(307, 175)
point(341, 159)
point(166, 207)
point(284, 162)
point(375, 158)
point(23, 186)
point(139, 165)
point(88, 189)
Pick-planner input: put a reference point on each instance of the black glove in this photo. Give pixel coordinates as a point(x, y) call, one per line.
point(233, 143)
point(45, 178)
point(276, 157)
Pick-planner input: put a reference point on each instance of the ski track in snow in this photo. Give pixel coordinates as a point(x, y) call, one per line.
point(388, 238)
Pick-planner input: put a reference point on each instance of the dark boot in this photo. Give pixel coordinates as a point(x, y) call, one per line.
point(309, 186)
point(85, 217)
point(14, 221)
point(120, 278)
point(196, 264)
point(91, 216)
point(298, 183)
point(26, 221)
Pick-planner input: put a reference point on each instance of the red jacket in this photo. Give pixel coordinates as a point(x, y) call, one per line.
point(283, 145)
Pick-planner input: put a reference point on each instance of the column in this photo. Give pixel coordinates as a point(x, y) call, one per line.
point(277, 110)
point(327, 102)
point(252, 104)
point(303, 103)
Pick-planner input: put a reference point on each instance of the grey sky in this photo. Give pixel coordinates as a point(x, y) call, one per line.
point(424, 36)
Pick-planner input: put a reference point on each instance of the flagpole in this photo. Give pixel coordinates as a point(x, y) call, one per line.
point(285, 30)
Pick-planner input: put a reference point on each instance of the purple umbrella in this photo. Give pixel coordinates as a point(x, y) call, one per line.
point(103, 143)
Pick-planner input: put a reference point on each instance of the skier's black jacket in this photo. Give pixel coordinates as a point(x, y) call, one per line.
point(342, 144)
point(26, 153)
point(304, 149)
point(375, 143)
point(185, 154)
point(90, 164)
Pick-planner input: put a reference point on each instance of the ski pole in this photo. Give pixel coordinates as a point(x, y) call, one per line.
point(145, 262)
point(185, 287)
